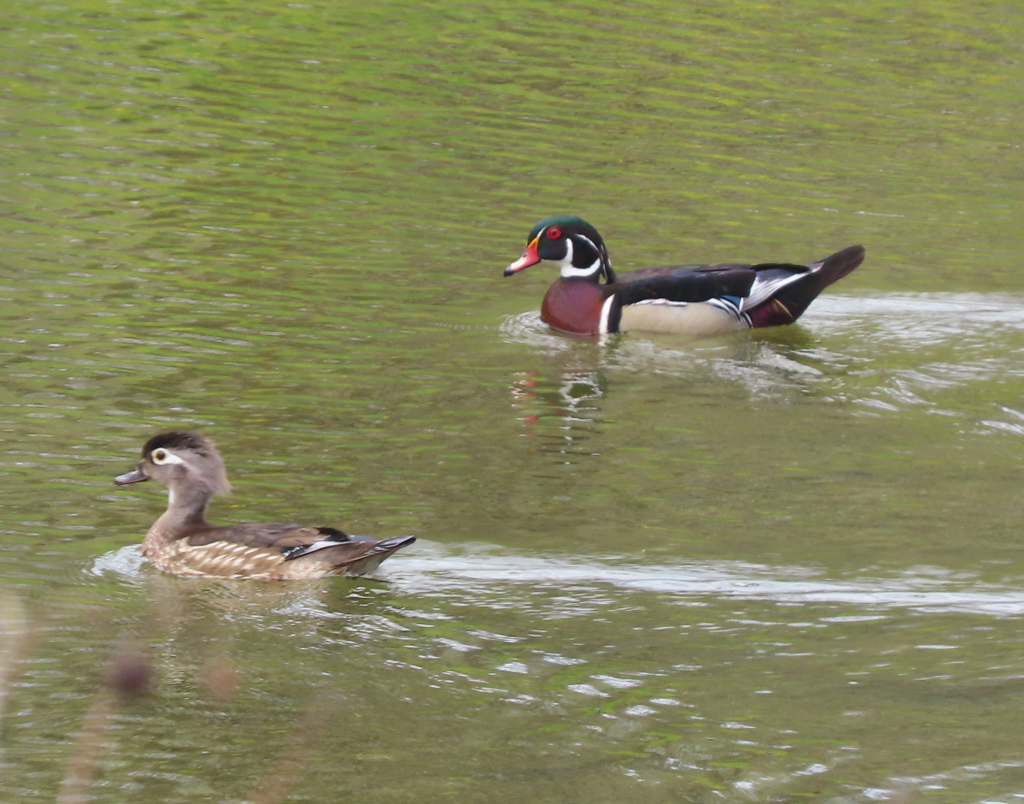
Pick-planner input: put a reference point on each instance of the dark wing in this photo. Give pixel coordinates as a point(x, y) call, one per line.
point(354, 552)
point(258, 534)
point(320, 551)
point(684, 283)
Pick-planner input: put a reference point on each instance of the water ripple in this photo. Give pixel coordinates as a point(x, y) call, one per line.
point(481, 573)
point(477, 571)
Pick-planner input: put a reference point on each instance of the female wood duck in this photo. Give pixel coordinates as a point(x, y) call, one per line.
point(686, 299)
point(184, 543)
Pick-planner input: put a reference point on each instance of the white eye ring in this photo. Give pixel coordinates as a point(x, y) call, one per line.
point(160, 456)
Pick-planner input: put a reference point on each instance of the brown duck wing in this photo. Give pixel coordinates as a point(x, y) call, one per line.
point(353, 556)
point(258, 534)
point(333, 550)
point(684, 283)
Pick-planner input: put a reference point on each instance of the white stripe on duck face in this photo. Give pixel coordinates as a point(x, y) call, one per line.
point(168, 457)
point(566, 266)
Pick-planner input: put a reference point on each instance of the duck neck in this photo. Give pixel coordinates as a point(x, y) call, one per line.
point(591, 273)
point(185, 514)
point(592, 257)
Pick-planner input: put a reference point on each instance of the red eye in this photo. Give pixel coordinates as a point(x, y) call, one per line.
point(554, 233)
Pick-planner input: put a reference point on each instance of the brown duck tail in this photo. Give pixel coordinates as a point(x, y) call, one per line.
point(373, 556)
point(789, 303)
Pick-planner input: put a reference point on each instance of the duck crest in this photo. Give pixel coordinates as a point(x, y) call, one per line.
point(178, 440)
point(574, 305)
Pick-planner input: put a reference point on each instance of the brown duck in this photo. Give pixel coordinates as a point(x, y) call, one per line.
point(184, 543)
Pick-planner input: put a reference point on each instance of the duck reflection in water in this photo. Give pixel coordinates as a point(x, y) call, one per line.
point(562, 413)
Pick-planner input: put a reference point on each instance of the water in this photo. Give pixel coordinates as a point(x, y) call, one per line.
point(783, 564)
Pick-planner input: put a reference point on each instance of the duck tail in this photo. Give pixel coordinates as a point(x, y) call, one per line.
point(788, 303)
point(372, 557)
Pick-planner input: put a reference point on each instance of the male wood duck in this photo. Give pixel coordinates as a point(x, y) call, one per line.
point(686, 299)
point(184, 543)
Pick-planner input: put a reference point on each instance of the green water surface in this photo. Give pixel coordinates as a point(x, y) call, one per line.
point(777, 566)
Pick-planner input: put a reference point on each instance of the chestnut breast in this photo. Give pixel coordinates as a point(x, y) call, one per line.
point(574, 305)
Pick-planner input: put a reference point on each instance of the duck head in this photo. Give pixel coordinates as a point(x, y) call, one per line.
point(188, 464)
point(570, 243)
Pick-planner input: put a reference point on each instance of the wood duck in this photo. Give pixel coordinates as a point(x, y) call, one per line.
point(184, 543)
point(686, 299)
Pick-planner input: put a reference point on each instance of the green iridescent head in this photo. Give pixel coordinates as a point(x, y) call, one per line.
point(570, 242)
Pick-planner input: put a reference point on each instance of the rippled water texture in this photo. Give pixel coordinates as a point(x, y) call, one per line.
point(779, 565)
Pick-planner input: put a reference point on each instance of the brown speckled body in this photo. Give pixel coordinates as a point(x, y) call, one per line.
point(227, 559)
point(220, 559)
